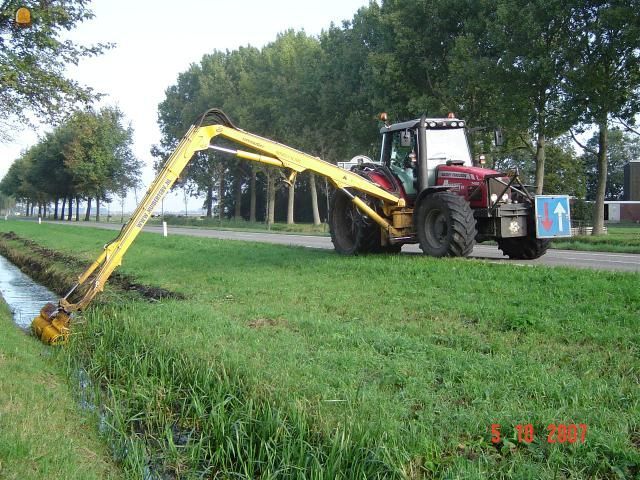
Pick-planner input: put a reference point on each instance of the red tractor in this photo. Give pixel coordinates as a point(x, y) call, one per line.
point(450, 203)
point(423, 190)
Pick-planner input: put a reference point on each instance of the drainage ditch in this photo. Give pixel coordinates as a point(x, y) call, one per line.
point(24, 296)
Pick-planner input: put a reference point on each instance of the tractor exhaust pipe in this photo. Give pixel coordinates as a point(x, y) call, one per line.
point(423, 174)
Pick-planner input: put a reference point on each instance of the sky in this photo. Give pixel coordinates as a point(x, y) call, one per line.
point(156, 40)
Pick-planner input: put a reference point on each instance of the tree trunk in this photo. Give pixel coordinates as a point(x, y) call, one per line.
point(64, 203)
point(70, 209)
point(290, 205)
point(237, 191)
point(540, 157)
point(209, 200)
point(598, 211)
point(97, 208)
point(221, 195)
point(184, 197)
point(271, 193)
point(314, 199)
point(33, 207)
point(252, 201)
point(40, 209)
point(87, 214)
point(55, 211)
point(77, 209)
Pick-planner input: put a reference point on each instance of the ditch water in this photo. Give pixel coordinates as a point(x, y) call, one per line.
point(24, 296)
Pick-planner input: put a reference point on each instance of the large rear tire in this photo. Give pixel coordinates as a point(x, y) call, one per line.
point(524, 248)
point(352, 233)
point(445, 225)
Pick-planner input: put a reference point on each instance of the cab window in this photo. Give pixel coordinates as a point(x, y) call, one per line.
point(403, 144)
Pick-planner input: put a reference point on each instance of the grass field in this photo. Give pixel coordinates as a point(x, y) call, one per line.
point(44, 434)
point(621, 239)
point(293, 363)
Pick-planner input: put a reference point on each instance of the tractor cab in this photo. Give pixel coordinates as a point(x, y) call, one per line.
point(414, 150)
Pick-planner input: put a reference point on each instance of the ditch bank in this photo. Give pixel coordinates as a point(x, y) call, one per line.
point(39, 263)
point(173, 414)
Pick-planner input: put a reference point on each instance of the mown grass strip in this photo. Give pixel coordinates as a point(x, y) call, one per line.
point(44, 434)
point(242, 225)
point(622, 239)
point(299, 363)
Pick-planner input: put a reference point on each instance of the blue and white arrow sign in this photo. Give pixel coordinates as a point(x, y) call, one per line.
point(552, 216)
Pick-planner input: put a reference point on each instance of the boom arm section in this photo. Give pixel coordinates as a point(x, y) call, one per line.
point(199, 138)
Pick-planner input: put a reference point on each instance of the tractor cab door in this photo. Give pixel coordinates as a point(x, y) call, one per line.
point(400, 154)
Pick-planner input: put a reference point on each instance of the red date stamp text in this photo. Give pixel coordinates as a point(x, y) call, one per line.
point(555, 433)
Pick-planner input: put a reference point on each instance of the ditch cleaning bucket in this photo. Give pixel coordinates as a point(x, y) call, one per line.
point(52, 325)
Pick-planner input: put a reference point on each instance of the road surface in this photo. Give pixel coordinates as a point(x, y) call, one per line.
point(570, 258)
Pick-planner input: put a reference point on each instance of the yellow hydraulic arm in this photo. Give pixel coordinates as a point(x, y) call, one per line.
point(52, 325)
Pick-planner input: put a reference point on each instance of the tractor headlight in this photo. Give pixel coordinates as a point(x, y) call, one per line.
point(494, 197)
point(505, 198)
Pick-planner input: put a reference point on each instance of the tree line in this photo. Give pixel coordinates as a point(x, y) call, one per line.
point(34, 82)
point(542, 71)
point(87, 157)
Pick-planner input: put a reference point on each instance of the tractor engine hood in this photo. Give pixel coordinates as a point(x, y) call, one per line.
point(472, 183)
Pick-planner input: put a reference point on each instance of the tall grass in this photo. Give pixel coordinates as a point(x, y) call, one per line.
point(44, 433)
point(182, 415)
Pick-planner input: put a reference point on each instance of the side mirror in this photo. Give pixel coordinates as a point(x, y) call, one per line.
point(497, 137)
point(405, 138)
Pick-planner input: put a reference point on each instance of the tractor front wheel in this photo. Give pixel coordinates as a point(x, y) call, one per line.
point(445, 225)
point(524, 248)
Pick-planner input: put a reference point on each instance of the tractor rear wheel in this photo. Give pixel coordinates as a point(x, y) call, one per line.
point(446, 226)
point(352, 233)
point(524, 248)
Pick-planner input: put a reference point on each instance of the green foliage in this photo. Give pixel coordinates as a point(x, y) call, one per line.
point(621, 149)
point(604, 60)
point(33, 60)
point(582, 211)
point(97, 152)
point(272, 91)
point(564, 170)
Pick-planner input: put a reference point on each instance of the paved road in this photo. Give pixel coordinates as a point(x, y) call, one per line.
point(596, 260)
